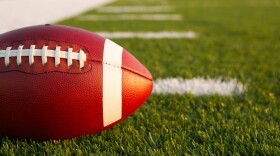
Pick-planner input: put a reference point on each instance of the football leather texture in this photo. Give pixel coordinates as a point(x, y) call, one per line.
point(60, 82)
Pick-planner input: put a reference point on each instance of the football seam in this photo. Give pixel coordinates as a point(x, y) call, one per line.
point(73, 73)
point(86, 52)
point(124, 68)
point(127, 69)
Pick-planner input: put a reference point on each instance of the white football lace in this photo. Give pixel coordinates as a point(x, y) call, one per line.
point(44, 53)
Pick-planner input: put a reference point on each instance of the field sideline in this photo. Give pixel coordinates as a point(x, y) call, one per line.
point(32, 12)
point(237, 43)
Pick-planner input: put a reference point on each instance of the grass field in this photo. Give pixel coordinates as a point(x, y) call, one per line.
point(236, 39)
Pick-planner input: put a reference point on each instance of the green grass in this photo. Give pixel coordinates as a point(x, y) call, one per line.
point(237, 39)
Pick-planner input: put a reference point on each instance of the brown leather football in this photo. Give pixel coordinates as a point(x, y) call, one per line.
point(59, 82)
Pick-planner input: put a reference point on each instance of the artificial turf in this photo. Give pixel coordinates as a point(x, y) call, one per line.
point(236, 39)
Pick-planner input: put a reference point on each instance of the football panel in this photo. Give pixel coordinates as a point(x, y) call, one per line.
point(51, 106)
point(136, 90)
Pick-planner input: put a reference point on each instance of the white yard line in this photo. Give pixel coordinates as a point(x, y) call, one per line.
point(149, 35)
point(132, 17)
point(198, 86)
point(135, 9)
point(18, 13)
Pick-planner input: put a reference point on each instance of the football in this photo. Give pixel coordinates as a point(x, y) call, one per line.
point(60, 82)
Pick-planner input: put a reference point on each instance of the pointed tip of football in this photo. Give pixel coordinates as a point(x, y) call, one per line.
point(136, 90)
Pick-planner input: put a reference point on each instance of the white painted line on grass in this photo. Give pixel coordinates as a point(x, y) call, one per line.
point(135, 9)
point(149, 35)
point(198, 86)
point(18, 13)
point(134, 17)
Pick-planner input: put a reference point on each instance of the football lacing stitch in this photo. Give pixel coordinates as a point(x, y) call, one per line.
point(44, 53)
